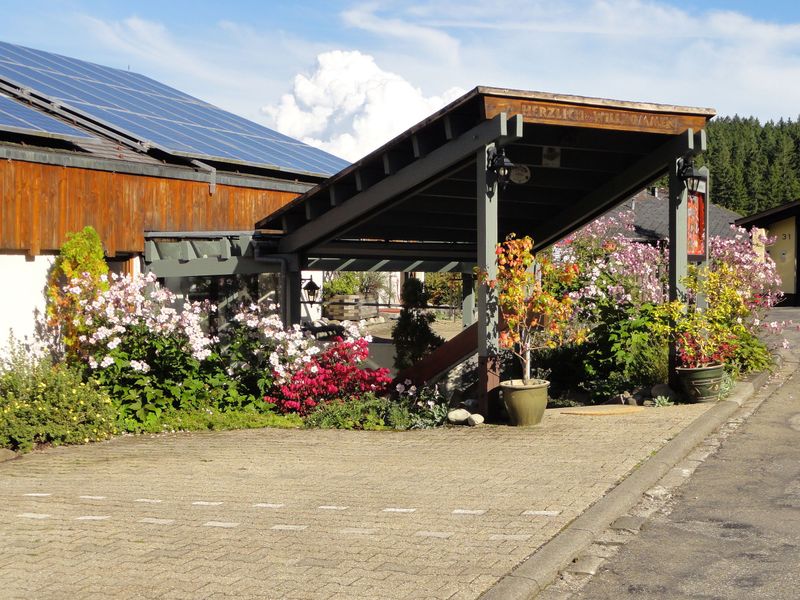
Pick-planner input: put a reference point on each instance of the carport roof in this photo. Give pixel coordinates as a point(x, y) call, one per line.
point(415, 197)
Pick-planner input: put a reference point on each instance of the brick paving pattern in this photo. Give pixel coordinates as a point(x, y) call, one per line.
point(308, 514)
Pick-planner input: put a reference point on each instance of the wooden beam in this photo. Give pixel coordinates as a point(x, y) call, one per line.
point(595, 117)
point(383, 194)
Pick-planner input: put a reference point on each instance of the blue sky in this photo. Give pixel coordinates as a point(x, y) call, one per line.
point(347, 75)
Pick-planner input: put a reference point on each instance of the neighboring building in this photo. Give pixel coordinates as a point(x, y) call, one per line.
point(782, 224)
point(651, 221)
point(165, 179)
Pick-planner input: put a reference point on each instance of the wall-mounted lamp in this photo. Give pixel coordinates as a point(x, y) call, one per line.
point(504, 170)
point(693, 178)
point(311, 289)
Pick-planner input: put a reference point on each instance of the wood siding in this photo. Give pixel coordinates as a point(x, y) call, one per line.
point(40, 204)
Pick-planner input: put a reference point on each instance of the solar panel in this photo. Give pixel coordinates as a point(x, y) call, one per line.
point(153, 112)
point(15, 116)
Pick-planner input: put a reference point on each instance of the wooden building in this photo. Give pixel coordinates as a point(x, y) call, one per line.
point(158, 174)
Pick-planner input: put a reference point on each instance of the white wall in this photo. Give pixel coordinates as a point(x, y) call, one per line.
point(23, 284)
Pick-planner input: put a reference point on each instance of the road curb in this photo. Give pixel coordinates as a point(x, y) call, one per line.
point(542, 567)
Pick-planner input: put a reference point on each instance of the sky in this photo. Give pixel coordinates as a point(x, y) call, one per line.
point(347, 76)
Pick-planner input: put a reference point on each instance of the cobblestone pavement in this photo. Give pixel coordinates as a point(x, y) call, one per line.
point(308, 514)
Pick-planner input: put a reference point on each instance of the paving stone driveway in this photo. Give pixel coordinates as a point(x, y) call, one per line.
point(308, 514)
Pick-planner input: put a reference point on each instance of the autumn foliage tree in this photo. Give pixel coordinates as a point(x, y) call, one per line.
point(533, 300)
point(82, 252)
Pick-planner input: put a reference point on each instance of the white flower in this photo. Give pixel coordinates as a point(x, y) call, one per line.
point(106, 362)
point(140, 365)
point(400, 388)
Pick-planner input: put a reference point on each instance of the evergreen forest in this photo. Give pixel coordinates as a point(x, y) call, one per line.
point(753, 166)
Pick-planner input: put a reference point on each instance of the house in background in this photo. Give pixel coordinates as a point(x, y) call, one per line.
point(782, 224)
point(651, 216)
point(172, 184)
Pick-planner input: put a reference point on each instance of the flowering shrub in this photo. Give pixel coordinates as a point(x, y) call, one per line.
point(305, 375)
point(615, 270)
point(754, 277)
point(537, 310)
point(147, 353)
point(46, 403)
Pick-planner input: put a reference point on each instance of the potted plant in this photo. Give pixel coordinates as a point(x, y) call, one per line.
point(538, 313)
point(705, 336)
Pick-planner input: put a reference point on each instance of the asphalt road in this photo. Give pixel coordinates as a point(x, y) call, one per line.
point(734, 528)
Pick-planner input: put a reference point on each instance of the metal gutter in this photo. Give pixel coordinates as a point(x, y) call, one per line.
point(64, 159)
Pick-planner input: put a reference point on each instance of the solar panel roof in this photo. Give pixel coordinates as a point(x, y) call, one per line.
point(15, 116)
point(152, 112)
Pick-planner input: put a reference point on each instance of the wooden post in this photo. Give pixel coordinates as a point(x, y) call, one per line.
point(293, 297)
point(467, 299)
point(488, 363)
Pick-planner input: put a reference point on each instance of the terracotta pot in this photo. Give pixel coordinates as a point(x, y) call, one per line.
point(701, 384)
point(525, 402)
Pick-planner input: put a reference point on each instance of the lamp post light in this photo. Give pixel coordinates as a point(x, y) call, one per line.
point(311, 289)
point(693, 178)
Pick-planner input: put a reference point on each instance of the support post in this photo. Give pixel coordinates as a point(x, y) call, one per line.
point(467, 299)
point(488, 361)
point(293, 297)
point(677, 250)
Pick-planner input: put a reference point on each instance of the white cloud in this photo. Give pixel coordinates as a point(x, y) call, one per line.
point(432, 41)
point(645, 50)
point(349, 106)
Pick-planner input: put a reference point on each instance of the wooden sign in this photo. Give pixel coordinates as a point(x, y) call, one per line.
point(598, 117)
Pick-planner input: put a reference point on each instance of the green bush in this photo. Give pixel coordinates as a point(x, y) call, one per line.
point(367, 412)
point(751, 355)
point(81, 253)
point(43, 403)
point(624, 353)
point(345, 283)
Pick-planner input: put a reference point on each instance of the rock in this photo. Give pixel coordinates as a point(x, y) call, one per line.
point(458, 416)
point(471, 404)
point(662, 389)
point(624, 398)
point(6, 454)
point(474, 420)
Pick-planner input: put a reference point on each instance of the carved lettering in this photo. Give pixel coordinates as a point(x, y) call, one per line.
point(599, 117)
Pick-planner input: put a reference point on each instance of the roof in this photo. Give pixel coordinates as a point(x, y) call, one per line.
point(585, 156)
point(771, 215)
point(651, 216)
point(74, 97)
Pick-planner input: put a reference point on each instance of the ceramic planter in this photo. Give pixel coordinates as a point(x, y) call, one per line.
point(701, 384)
point(525, 402)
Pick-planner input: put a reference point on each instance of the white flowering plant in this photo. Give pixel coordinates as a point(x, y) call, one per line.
point(426, 405)
point(148, 352)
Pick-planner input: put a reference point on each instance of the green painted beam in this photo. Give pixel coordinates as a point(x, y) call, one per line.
point(380, 196)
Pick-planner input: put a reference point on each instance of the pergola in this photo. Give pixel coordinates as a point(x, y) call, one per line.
point(429, 200)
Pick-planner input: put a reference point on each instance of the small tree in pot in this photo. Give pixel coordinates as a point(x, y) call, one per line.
point(538, 312)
